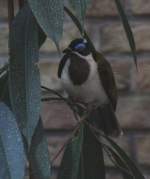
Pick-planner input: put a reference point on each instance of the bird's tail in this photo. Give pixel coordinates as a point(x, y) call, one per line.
point(105, 119)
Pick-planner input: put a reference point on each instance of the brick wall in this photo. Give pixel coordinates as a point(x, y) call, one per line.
point(108, 35)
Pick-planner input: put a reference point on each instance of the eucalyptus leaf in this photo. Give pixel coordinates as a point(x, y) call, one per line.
point(49, 14)
point(24, 77)
point(39, 156)
point(42, 37)
point(92, 160)
point(124, 157)
point(71, 160)
point(4, 170)
point(127, 29)
point(82, 31)
point(119, 163)
point(12, 156)
point(79, 7)
point(79, 26)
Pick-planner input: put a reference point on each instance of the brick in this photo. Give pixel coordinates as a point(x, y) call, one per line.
point(102, 8)
point(121, 67)
point(140, 79)
point(140, 7)
point(147, 176)
point(113, 38)
point(122, 141)
point(70, 32)
point(3, 8)
point(3, 60)
point(113, 175)
point(63, 117)
point(57, 115)
point(143, 148)
point(93, 32)
point(48, 46)
point(133, 112)
point(3, 39)
point(49, 77)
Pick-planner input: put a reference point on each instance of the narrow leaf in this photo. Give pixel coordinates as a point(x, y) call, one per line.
point(39, 156)
point(12, 157)
point(71, 159)
point(49, 14)
point(127, 29)
point(79, 26)
point(42, 37)
point(92, 161)
point(119, 163)
point(83, 32)
point(24, 77)
point(79, 6)
point(124, 157)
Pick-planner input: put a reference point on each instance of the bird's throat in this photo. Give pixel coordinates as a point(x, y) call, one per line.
point(79, 70)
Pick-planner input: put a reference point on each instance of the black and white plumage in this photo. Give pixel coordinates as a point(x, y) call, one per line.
point(87, 77)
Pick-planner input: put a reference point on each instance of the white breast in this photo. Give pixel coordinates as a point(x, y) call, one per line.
point(91, 91)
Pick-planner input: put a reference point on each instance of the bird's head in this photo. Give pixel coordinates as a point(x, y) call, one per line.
point(80, 46)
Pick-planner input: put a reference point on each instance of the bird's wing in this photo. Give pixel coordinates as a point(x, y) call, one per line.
point(107, 79)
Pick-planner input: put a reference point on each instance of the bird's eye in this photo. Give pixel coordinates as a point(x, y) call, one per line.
point(80, 46)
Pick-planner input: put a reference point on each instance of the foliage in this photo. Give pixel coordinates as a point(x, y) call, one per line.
point(21, 131)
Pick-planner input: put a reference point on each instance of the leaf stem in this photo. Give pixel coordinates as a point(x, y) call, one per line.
point(64, 145)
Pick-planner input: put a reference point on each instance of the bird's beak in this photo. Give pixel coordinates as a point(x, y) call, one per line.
point(67, 51)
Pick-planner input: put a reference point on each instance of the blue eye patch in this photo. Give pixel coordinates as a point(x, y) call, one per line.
point(80, 46)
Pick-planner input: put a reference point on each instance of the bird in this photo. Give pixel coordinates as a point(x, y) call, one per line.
point(87, 77)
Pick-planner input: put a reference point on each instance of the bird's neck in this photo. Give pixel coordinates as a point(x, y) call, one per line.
point(79, 69)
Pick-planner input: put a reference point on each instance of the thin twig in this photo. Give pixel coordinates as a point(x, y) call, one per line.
point(95, 129)
point(65, 144)
point(68, 101)
point(51, 99)
point(52, 91)
point(106, 149)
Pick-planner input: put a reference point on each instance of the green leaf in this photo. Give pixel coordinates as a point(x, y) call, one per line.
point(123, 156)
point(12, 157)
point(127, 29)
point(39, 156)
point(49, 14)
point(92, 161)
point(42, 37)
point(79, 6)
point(71, 160)
point(119, 163)
point(24, 77)
point(79, 26)
point(83, 32)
